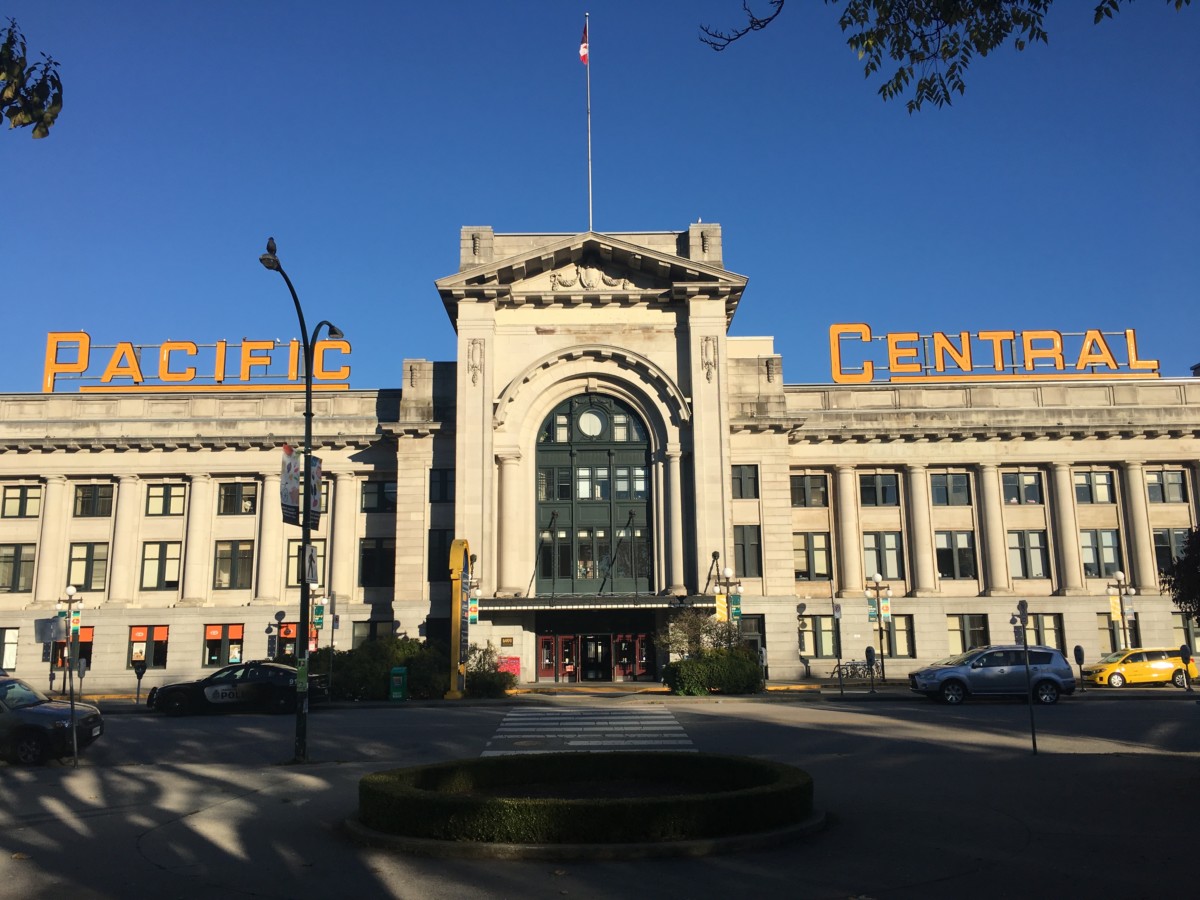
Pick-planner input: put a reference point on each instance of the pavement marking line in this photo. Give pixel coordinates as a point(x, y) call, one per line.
point(549, 731)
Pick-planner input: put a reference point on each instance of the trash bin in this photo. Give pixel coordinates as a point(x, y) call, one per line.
point(398, 685)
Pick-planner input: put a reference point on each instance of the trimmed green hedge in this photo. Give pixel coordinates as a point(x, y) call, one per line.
point(729, 795)
point(720, 671)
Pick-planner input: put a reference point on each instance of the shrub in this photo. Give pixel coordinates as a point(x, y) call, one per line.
point(723, 671)
point(484, 678)
point(489, 799)
point(364, 672)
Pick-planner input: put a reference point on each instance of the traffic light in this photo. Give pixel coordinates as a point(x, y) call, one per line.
point(722, 608)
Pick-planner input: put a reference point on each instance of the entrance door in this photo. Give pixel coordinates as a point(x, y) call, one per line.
point(624, 658)
point(567, 658)
point(545, 664)
point(597, 657)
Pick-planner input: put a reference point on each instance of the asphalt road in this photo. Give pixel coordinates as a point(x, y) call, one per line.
point(925, 801)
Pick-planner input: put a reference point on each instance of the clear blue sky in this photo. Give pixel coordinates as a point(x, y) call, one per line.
point(1062, 191)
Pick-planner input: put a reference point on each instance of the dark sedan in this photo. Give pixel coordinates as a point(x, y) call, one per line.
point(34, 727)
point(261, 685)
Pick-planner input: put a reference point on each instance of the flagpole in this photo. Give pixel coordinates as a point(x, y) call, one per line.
point(588, 66)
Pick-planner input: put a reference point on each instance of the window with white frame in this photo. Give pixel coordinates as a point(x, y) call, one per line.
point(950, 488)
point(1028, 554)
point(1166, 486)
point(810, 550)
point(955, 553)
point(1022, 488)
point(1100, 550)
point(88, 566)
point(160, 565)
point(16, 568)
point(21, 501)
point(1168, 547)
point(810, 490)
point(883, 554)
point(1094, 487)
point(165, 499)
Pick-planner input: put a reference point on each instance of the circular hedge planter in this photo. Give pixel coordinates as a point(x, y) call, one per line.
point(586, 799)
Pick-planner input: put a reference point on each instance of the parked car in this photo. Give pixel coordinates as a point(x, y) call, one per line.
point(996, 671)
point(1139, 665)
point(34, 728)
point(259, 685)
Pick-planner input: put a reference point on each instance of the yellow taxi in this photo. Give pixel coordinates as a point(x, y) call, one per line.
point(1140, 665)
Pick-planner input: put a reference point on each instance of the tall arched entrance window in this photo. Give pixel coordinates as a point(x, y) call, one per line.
point(593, 499)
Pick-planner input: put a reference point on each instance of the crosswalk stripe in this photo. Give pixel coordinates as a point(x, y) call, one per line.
point(547, 731)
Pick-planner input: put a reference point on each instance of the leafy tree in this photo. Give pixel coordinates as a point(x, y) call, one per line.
point(936, 40)
point(1183, 581)
point(29, 94)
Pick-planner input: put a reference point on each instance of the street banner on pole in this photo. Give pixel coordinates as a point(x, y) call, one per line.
point(289, 486)
point(314, 495)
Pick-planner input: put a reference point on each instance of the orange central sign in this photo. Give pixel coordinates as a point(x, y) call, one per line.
point(188, 366)
point(985, 355)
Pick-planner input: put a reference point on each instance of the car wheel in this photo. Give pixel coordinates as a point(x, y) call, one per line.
point(29, 749)
point(1178, 679)
point(953, 692)
point(174, 705)
point(1116, 679)
point(1045, 692)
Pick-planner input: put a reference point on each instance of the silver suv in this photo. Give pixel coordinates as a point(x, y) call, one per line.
point(996, 671)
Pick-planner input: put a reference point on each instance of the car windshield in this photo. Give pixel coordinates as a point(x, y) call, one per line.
point(957, 660)
point(1114, 657)
point(18, 695)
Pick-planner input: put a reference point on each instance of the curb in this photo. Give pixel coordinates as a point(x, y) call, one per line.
point(426, 847)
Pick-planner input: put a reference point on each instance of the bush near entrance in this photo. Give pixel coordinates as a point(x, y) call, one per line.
point(363, 673)
point(594, 798)
point(721, 671)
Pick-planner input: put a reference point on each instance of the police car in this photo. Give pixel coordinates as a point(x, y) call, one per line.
point(259, 685)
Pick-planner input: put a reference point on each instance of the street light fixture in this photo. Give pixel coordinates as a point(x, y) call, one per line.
point(271, 261)
point(1119, 591)
point(877, 590)
point(69, 650)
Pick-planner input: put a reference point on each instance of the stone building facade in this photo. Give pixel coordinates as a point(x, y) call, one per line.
point(607, 450)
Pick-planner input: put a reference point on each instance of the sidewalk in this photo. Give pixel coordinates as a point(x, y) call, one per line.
point(117, 703)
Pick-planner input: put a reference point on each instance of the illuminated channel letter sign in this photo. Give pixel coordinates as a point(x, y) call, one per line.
point(188, 366)
point(857, 355)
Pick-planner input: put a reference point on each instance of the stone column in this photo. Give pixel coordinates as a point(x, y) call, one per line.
point(123, 557)
point(1066, 532)
point(270, 540)
point(1144, 574)
point(52, 544)
point(921, 531)
point(849, 545)
point(198, 551)
point(995, 541)
point(342, 559)
point(508, 542)
point(675, 526)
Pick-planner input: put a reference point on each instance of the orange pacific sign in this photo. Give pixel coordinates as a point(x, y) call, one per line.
point(188, 366)
point(985, 355)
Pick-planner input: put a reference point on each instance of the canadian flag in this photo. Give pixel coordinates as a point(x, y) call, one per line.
point(583, 48)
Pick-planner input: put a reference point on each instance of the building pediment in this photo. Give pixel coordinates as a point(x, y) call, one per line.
point(589, 268)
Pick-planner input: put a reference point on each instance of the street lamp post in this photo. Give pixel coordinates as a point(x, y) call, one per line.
point(271, 261)
point(731, 588)
point(878, 590)
point(69, 651)
point(1119, 591)
point(1020, 622)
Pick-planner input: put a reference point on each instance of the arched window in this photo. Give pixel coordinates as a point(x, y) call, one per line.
point(593, 499)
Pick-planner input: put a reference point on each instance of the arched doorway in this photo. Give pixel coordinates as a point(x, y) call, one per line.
point(593, 499)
